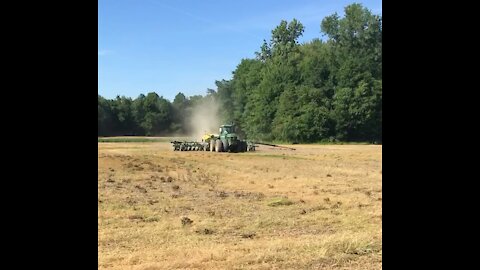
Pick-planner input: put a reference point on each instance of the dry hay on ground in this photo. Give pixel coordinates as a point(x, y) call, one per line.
point(319, 207)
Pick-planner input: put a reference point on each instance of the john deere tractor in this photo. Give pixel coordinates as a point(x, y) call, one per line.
point(226, 141)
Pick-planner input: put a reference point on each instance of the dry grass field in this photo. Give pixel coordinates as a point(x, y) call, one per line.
point(319, 207)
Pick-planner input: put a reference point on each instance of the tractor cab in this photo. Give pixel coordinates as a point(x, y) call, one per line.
point(227, 129)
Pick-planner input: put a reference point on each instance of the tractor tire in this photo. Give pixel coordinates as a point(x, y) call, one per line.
point(218, 146)
point(240, 147)
point(212, 145)
point(225, 147)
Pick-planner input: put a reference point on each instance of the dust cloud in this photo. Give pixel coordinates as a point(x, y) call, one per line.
point(204, 118)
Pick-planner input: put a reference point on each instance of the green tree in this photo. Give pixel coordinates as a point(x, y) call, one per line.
point(124, 112)
point(265, 52)
point(302, 116)
point(158, 115)
point(280, 72)
point(356, 42)
point(358, 112)
point(181, 107)
point(138, 110)
point(225, 99)
point(285, 37)
point(246, 77)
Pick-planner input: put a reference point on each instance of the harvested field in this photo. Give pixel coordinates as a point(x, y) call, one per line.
point(319, 207)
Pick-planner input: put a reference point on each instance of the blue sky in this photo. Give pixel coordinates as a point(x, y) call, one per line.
point(169, 46)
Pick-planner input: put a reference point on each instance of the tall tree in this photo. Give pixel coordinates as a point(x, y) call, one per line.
point(158, 113)
point(246, 77)
point(357, 43)
point(180, 107)
point(280, 73)
point(124, 111)
point(225, 99)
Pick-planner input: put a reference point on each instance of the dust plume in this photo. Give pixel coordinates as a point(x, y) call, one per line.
point(204, 118)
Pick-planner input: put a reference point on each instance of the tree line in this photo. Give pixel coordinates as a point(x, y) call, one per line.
point(316, 91)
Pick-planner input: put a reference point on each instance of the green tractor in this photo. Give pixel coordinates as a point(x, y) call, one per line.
point(228, 141)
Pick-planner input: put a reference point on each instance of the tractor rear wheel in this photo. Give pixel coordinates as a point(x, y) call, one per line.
point(225, 146)
point(218, 146)
point(240, 147)
point(212, 145)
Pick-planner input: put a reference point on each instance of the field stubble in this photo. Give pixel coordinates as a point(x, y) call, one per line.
point(319, 207)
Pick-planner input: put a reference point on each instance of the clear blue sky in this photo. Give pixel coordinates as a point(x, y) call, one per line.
point(170, 46)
